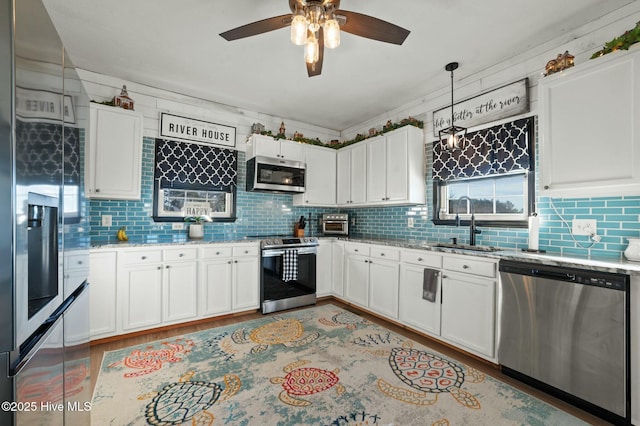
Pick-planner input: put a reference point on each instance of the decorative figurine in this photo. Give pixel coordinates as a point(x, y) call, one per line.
point(123, 100)
point(563, 61)
point(257, 128)
point(297, 135)
point(372, 131)
point(282, 129)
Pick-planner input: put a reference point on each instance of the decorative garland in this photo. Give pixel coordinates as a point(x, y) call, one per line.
point(621, 42)
point(359, 137)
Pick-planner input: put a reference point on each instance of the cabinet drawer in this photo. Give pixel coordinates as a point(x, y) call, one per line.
point(213, 252)
point(76, 261)
point(357, 248)
point(423, 258)
point(190, 253)
point(388, 253)
point(469, 266)
point(142, 256)
point(246, 251)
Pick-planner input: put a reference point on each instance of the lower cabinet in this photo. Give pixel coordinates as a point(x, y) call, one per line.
point(324, 269)
point(414, 310)
point(337, 268)
point(157, 286)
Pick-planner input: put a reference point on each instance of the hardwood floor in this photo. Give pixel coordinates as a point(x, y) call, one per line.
point(98, 349)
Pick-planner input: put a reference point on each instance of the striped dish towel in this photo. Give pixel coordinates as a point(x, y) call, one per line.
point(290, 265)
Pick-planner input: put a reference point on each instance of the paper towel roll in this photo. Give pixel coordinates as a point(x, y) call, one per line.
point(534, 229)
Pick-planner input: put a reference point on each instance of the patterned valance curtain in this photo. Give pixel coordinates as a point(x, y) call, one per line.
point(202, 166)
point(500, 149)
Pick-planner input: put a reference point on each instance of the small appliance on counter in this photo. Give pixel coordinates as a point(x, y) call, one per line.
point(335, 224)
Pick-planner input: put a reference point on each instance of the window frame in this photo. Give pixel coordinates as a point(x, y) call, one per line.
point(439, 189)
point(229, 216)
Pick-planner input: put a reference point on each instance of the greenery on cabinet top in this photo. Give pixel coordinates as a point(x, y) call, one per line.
point(389, 126)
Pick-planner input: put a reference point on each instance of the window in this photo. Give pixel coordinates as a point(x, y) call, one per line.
point(497, 198)
point(494, 170)
point(174, 202)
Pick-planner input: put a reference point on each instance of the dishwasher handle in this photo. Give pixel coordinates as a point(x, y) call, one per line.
point(553, 275)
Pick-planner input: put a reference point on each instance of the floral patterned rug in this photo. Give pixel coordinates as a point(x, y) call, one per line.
point(318, 366)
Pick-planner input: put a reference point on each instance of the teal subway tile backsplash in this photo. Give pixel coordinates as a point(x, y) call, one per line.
point(270, 213)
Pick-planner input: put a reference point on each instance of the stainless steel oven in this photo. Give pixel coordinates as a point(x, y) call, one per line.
point(288, 277)
point(335, 224)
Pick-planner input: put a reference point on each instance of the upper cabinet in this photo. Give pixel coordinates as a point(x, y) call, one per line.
point(590, 128)
point(351, 175)
point(320, 177)
point(114, 153)
point(395, 168)
point(267, 146)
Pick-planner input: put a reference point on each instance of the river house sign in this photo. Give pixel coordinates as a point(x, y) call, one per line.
point(190, 129)
point(506, 101)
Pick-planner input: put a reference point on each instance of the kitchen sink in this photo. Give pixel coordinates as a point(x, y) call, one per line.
point(467, 247)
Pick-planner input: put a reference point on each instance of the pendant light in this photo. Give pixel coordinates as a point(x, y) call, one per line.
point(453, 136)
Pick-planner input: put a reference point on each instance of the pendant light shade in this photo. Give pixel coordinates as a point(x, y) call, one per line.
point(299, 30)
point(331, 33)
point(311, 49)
point(453, 137)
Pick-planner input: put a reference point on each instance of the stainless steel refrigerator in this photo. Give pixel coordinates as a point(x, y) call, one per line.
point(44, 240)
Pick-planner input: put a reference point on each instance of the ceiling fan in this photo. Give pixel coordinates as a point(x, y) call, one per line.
point(316, 24)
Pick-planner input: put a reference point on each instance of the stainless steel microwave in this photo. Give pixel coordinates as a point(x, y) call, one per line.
point(275, 174)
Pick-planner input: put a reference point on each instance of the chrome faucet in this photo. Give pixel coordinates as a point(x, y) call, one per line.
point(472, 223)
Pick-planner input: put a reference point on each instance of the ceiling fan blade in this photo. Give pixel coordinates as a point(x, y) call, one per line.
point(258, 27)
point(316, 68)
point(373, 28)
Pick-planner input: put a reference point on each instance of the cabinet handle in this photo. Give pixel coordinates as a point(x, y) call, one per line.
point(229, 262)
point(143, 257)
point(545, 187)
point(306, 201)
point(381, 254)
point(420, 259)
point(167, 266)
point(217, 253)
point(444, 276)
point(97, 190)
point(181, 255)
point(79, 262)
point(246, 252)
point(235, 261)
point(366, 261)
point(355, 250)
point(465, 266)
point(159, 267)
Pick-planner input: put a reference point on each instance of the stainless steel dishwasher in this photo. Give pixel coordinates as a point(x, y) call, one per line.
point(566, 331)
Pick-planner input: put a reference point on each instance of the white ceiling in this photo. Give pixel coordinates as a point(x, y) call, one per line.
point(174, 45)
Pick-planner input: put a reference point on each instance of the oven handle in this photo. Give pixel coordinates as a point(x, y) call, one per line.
point(280, 252)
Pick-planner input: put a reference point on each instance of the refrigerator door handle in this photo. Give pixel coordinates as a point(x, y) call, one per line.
point(39, 337)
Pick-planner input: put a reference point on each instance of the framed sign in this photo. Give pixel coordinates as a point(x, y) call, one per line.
point(505, 101)
point(190, 129)
point(43, 105)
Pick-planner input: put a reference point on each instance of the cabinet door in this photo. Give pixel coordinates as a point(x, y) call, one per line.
point(265, 146)
point(468, 310)
point(215, 286)
point(320, 185)
point(290, 150)
point(343, 173)
point(323, 268)
point(180, 296)
point(577, 157)
point(246, 283)
point(102, 294)
point(397, 165)
point(359, 174)
point(357, 280)
point(115, 154)
point(414, 310)
point(141, 296)
point(383, 287)
point(376, 169)
point(337, 266)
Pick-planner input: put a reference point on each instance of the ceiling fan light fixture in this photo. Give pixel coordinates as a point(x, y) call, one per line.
point(311, 49)
point(453, 136)
point(299, 30)
point(331, 33)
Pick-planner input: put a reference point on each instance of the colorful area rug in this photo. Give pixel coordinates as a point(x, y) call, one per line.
point(317, 366)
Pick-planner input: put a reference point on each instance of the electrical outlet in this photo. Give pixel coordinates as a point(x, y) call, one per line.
point(106, 220)
point(584, 226)
point(410, 222)
point(178, 226)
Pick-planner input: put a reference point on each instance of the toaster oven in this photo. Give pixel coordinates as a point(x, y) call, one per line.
point(335, 224)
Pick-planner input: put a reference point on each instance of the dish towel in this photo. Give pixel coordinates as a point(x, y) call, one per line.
point(290, 265)
point(430, 284)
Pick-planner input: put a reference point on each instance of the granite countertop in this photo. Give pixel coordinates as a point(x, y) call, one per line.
point(556, 259)
point(155, 240)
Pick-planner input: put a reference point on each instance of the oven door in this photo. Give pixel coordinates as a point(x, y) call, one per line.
point(280, 289)
point(335, 227)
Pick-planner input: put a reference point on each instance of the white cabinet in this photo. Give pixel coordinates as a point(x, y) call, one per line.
point(157, 287)
point(324, 270)
point(415, 311)
point(102, 293)
point(337, 268)
point(267, 146)
point(395, 168)
point(590, 128)
point(468, 303)
point(372, 277)
point(351, 175)
point(320, 177)
point(114, 153)
point(229, 278)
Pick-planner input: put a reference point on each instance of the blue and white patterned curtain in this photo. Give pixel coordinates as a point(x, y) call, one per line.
point(499, 149)
point(202, 166)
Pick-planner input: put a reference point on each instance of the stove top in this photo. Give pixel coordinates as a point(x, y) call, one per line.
point(288, 242)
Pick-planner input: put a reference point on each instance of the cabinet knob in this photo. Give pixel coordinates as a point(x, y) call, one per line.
point(465, 266)
point(229, 262)
point(235, 261)
point(97, 190)
point(381, 254)
point(217, 253)
point(143, 257)
point(545, 187)
point(246, 252)
point(355, 250)
point(159, 267)
point(366, 261)
point(181, 255)
point(444, 276)
point(306, 201)
point(167, 266)
point(420, 259)
point(79, 262)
